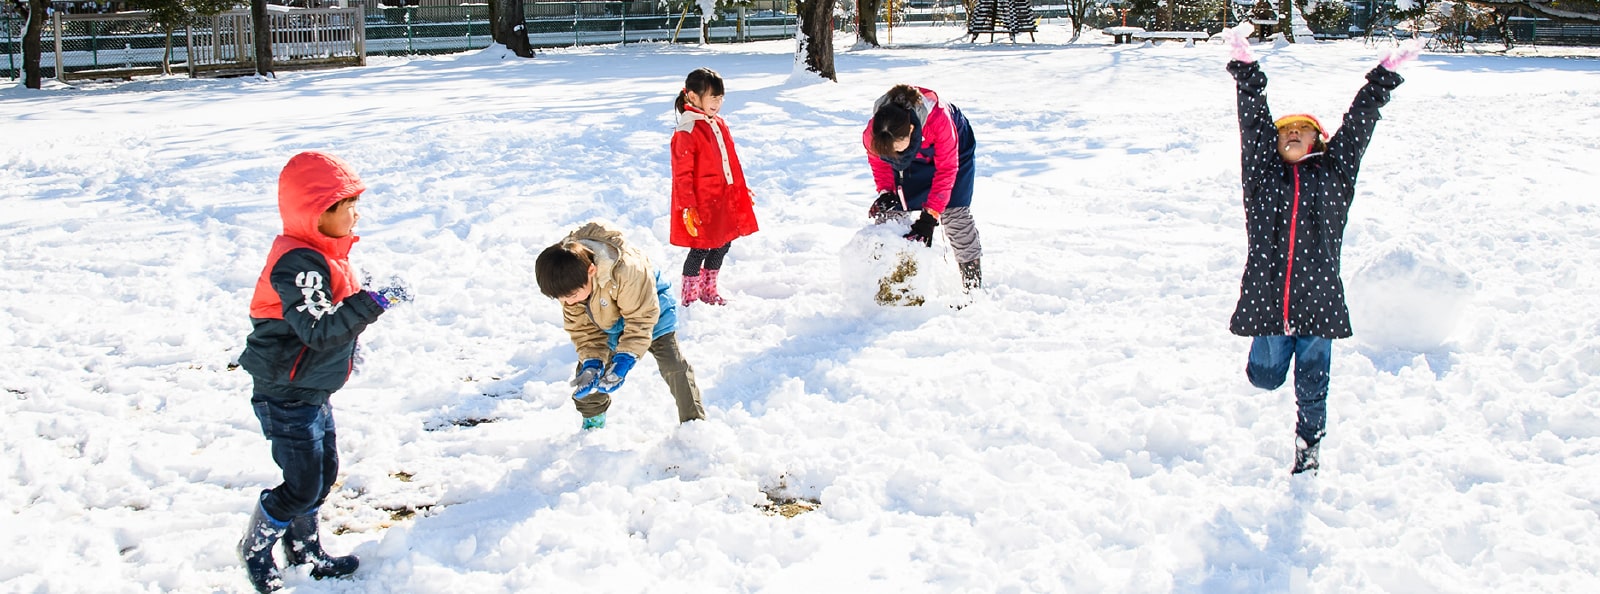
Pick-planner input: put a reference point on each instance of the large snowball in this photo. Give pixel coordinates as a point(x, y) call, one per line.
point(881, 268)
point(1407, 298)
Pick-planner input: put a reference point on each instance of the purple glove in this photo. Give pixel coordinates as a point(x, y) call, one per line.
point(1238, 40)
point(1407, 52)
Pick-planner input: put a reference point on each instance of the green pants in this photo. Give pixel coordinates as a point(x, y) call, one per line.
point(679, 376)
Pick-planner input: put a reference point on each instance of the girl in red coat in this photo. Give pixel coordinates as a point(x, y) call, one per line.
point(710, 202)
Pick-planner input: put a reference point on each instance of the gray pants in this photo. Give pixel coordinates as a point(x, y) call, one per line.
point(679, 376)
point(958, 226)
point(962, 233)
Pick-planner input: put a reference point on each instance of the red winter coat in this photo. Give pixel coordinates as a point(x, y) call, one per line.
point(706, 177)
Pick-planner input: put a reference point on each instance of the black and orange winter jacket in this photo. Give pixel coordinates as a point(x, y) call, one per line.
point(1295, 213)
point(308, 307)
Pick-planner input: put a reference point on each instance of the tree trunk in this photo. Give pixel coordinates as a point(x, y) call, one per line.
point(1078, 10)
point(1286, 21)
point(867, 21)
point(816, 37)
point(166, 53)
point(1164, 15)
point(261, 29)
point(32, 46)
point(508, 25)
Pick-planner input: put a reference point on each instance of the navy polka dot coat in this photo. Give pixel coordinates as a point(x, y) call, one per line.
point(1295, 213)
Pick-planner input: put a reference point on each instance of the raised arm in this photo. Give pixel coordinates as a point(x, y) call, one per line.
point(1349, 144)
point(1258, 138)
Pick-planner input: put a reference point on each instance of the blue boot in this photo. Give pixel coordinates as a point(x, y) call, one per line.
point(302, 545)
point(255, 549)
point(594, 422)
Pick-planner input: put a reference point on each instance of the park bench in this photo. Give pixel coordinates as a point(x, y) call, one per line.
point(1187, 37)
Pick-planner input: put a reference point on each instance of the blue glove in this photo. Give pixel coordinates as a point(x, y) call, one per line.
point(621, 364)
point(588, 375)
point(391, 294)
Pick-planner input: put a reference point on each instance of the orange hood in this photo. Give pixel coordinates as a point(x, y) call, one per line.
point(309, 184)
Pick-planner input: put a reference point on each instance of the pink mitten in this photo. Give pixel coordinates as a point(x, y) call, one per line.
point(1238, 40)
point(1398, 56)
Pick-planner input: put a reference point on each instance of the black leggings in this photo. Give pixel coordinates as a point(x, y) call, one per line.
point(710, 259)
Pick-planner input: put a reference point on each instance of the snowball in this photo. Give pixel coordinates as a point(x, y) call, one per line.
point(1407, 298)
point(881, 268)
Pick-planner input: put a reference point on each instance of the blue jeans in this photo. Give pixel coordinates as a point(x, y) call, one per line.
point(306, 449)
point(1269, 366)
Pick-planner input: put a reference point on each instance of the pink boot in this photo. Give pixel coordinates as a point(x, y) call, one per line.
point(691, 289)
point(708, 288)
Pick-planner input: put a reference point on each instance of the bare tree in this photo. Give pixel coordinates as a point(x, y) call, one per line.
point(170, 15)
point(261, 29)
point(508, 25)
point(815, 41)
point(1078, 10)
point(867, 21)
point(32, 47)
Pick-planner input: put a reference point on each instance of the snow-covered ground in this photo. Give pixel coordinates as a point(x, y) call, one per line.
point(1085, 426)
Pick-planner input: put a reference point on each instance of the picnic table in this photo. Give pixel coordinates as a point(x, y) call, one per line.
point(1121, 34)
point(1264, 27)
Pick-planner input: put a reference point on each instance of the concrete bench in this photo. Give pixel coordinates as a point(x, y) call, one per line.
point(1121, 34)
point(1187, 37)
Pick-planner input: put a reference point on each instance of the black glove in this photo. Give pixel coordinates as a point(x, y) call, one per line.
point(922, 230)
point(886, 202)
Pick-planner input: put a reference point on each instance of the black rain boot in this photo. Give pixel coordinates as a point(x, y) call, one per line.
point(971, 276)
point(302, 544)
point(1305, 456)
point(255, 549)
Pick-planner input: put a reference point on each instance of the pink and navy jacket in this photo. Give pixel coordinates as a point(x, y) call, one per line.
point(937, 172)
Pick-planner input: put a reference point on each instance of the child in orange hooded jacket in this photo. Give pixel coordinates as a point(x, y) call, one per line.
point(711, 205)
point(307, 311)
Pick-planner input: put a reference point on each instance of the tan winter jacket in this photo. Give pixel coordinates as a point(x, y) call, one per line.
point(622, 300)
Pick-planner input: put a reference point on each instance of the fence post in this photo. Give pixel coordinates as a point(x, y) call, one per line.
point(55, 18)
point(188, 48)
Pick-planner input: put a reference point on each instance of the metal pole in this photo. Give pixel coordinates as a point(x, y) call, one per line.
point(410, 48)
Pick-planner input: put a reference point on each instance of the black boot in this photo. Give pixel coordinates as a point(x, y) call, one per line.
point(971, 276)
point(1305, 456)
point(302, 544)
point(255, 549)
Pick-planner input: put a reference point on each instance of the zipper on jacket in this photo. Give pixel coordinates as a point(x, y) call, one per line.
point(899, 183)
point(1288, 273)
point(295, 369)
